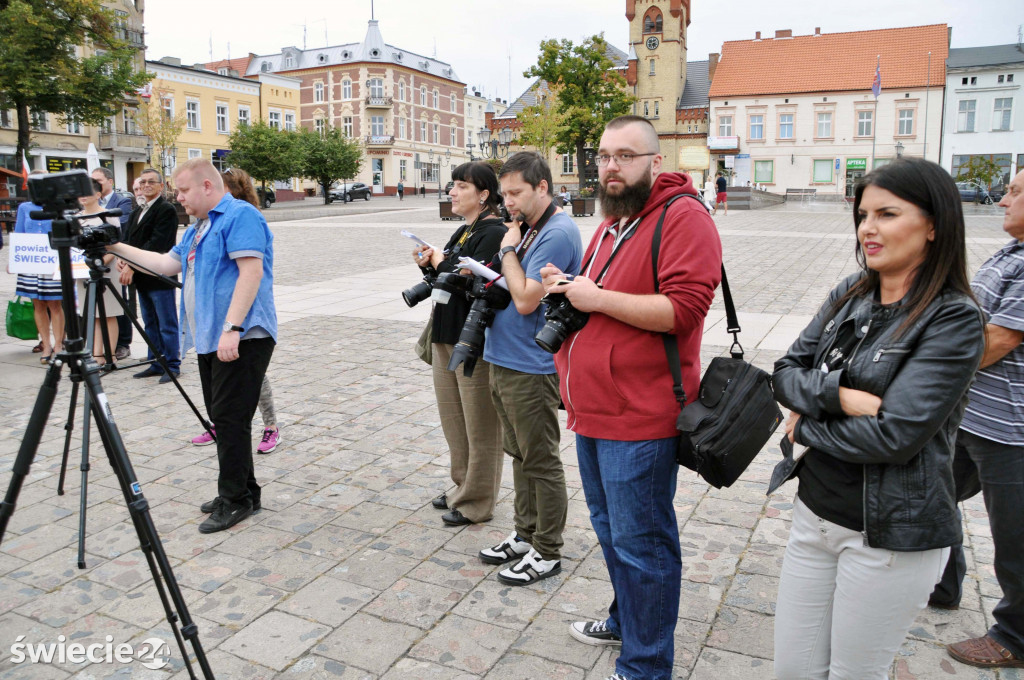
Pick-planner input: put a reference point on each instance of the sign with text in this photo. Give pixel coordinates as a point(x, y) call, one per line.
point(31, 254)
point(856, 163)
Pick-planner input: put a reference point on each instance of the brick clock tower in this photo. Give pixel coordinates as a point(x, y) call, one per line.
point(657, 67)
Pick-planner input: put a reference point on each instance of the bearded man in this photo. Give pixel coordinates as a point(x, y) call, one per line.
point(618, 391)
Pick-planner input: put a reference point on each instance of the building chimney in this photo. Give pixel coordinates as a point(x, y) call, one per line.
point(757, 35)
point(712, 65)
point(786, 33)
point(817, 30)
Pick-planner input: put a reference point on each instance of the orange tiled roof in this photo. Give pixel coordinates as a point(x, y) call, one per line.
point(832, 62)
point(240, 64)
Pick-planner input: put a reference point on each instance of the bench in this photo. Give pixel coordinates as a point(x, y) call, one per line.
point(802, 193)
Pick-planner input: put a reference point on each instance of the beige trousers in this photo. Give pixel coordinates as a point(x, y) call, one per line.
point(473, 432)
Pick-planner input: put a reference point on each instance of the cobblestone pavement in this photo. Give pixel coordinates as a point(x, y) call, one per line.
point(348, 572)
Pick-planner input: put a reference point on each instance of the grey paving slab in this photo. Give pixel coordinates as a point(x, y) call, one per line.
point(348, 572)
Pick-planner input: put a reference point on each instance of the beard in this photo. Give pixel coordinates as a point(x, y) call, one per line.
point(630, 200)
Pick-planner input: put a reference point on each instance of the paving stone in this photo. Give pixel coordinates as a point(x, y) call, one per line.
point(414, 602)
point(533, 667)
point(237, 602)
point(923, 660)
point(71, 601)
point(414, 669)
point(717, 664)
point(313, 667)
point(754, 592)
point(368, 642)
point(451, 570)
point(328, 600)
point(410, 540)
point(211, 570)
point(299, 518)
point(548, 637)
point(506, 606)
point(288, 569)
point(372, 518)
point(744, 632)
point(275, 639)
point(466, 644)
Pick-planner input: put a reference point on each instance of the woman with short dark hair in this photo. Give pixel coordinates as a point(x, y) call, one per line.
point(468, 418)
point(877, 385)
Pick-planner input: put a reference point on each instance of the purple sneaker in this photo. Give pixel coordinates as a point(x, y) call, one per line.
point(204, 439)
point(269, 441)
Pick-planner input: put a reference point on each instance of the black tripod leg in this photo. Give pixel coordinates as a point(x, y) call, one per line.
point(138, 509)
point(30, 442)
point(84, 467)
point(69, 427)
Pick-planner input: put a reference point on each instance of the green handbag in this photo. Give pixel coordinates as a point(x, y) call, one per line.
point(21, 320)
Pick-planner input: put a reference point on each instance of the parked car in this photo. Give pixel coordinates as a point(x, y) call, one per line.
point(349, 191)
point(974, 193)
point(996, 193)
point(267, 200)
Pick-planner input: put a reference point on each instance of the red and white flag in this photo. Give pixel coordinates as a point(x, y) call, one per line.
point(24, 172)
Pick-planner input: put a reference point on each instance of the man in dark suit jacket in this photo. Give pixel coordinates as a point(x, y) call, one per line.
point(154, 226)
point(109, 200)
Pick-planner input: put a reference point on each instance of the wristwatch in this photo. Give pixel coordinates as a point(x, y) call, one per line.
point(228, 327)
point(506, 250)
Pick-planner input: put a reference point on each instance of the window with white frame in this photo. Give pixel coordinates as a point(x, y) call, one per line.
point(865, 123)
point(346, 126)
point(289, 61)
point(376, 87)
point(823, 170)
point(401, 90)
point(128, 115)
point(965, 115)
point(377, 126)
point(454, 103)
point(319, 126)
point(192, 114)
point(167, 107)
point(346, 89)
point(289, 120)
point(757, 126)
point(724, 125)
point(401, 128)
point(274, 119)
point(423, 130)
point(403, 170)
point(437, 133)
point(74, 127)
point(436, 98)
point(647, 111)
point(244, 115)
point(5, 118)
point(785, 126)
point(652, 68)
point(567, 164)
point(454, 135)
point(764, 172)
point(824, 129)
point(222, 118)
point(1002, 112)
point(656, 108)
point(906, 122)
point(195, 153)
point(318, 92)
point(423, 95)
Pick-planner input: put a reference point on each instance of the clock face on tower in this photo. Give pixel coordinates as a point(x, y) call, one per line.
point(652, 43)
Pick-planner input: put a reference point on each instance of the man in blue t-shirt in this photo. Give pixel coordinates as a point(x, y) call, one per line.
point(524, 385)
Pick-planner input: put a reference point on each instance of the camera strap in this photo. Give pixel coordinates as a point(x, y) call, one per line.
point(531, 235)
point(620, 238)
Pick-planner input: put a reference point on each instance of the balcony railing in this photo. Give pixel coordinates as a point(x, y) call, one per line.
point(122, 142)
point(380, 140)
point(379, 102)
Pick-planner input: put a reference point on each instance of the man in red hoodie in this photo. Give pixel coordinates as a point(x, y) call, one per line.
point(617, 388)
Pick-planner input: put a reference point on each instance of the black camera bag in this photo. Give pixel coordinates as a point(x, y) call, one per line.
point(735, 413)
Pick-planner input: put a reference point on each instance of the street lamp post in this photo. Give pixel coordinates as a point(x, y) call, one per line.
point(495, 148)
point(442, 162)
point(899, 149)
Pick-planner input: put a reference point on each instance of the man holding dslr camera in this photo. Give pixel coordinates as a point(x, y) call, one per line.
point(618, 390)
point(524, 385)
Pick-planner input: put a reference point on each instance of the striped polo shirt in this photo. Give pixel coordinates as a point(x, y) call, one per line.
point(996, 407)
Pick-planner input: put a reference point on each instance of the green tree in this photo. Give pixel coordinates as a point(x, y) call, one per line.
point(42, 72)
point(981, 170)
point(328, 157)
point(265, 152)
point(161, 128)
point(589, 93)
point(542, 122)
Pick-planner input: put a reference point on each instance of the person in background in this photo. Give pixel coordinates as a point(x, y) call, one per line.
point(239, 184)
point(708, 194)
point(468, 418)
point(112, 309)
point(877, 385)
point(110, 200)
point(43, 290)
point(401, 190)
point(722, 186)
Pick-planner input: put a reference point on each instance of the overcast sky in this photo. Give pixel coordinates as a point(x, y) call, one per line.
point(478, 37)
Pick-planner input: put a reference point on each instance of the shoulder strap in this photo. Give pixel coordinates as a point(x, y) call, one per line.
point(669, 340)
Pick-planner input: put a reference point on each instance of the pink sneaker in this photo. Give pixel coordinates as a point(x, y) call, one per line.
point(269, 441)
point(204, 439)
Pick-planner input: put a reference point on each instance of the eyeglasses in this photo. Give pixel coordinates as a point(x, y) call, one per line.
point(148, 181)
point(621, 159)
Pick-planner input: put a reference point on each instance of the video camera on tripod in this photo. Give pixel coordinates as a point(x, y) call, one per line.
point(58, 194)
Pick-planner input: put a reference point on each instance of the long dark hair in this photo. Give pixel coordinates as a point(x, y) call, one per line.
point(934, 192)
point(480, 175)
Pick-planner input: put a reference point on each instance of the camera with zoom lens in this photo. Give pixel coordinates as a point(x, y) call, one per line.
point(561, 320)
point(58, 193)
point(487, 299)
point(420, 292)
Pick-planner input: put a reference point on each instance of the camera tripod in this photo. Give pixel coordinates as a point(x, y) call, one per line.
point(78, 357)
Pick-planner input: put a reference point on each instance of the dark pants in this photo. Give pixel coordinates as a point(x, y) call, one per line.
point(997, 470)
point(124, 324)
point(160, 317)
point(231, 391)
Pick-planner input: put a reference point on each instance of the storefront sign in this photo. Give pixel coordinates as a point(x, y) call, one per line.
point(730, 162)
point(723, 143)
point(856, 164)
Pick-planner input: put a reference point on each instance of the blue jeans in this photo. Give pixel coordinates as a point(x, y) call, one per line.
point(629, 488)
point(160, 317)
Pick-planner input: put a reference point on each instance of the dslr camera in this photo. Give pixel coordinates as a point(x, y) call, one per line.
point(561, 320)
point(487, 299)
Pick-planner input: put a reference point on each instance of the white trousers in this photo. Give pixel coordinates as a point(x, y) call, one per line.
point(844, 609)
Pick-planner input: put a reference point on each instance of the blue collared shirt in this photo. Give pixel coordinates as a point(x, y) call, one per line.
point(236, 229)
point(23, 224)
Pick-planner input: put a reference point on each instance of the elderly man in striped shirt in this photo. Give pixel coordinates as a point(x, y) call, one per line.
point(990, 447)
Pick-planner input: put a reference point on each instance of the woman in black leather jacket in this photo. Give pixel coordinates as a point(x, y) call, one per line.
point(468, 418)
point(877, 386)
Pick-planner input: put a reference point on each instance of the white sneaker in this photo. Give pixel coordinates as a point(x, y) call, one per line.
point(512, 548)
point(594, 633)
point(530, 569)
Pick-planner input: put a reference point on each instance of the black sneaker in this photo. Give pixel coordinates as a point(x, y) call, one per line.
point(210, 506)
point(225, 516)
point(594, 633)
point(454, 518)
